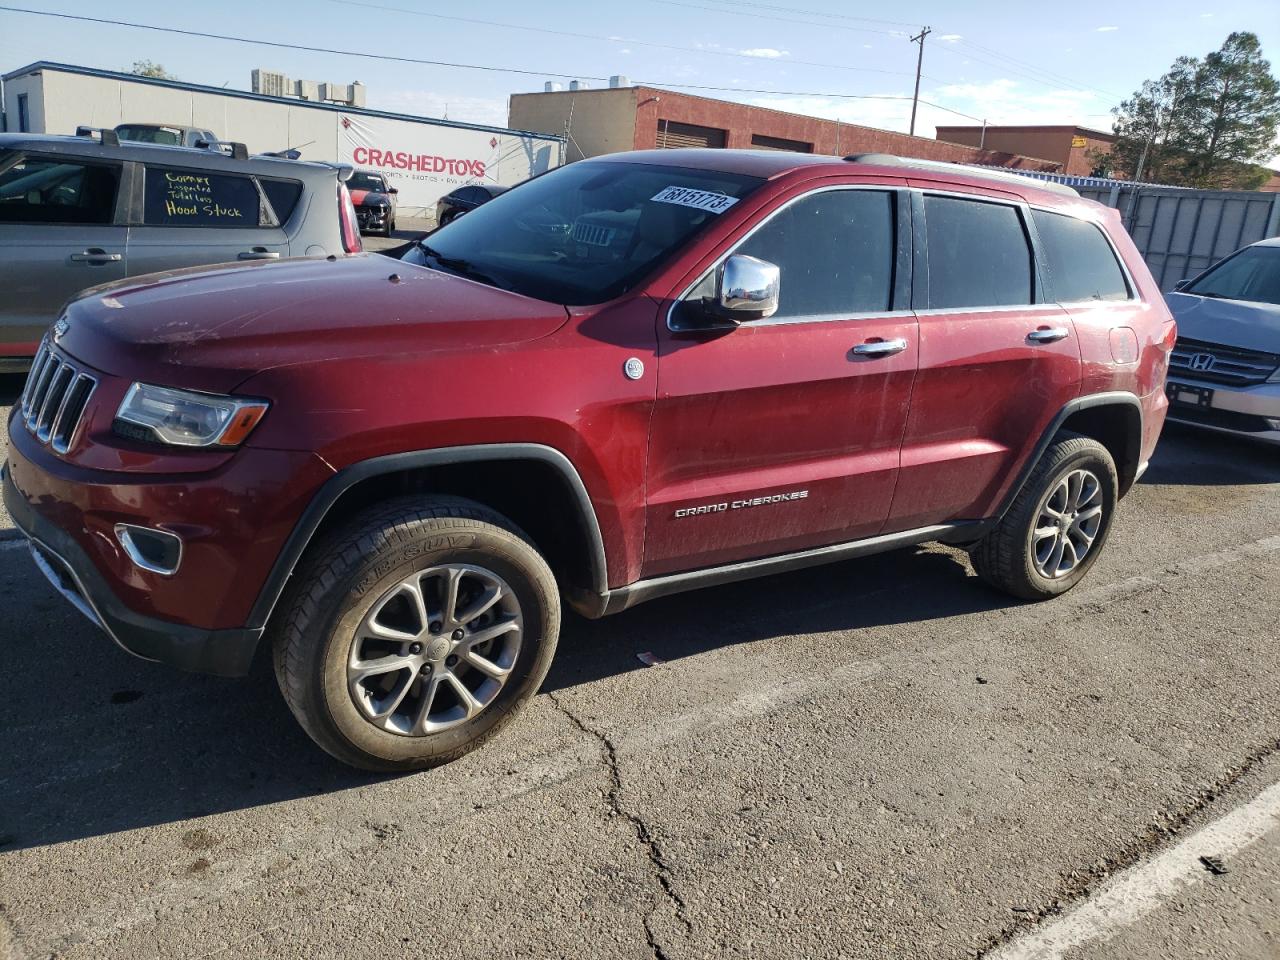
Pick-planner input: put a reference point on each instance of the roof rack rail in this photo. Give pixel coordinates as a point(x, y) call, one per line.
point(108, 136)
point(237, 150)
point(985, 173)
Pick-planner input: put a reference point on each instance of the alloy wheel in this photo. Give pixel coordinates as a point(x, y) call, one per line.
point(1067, 524)
point(435, 650)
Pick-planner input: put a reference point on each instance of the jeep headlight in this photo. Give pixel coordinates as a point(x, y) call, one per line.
point(184, 418)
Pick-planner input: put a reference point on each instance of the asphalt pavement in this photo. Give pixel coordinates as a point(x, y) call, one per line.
point(879, 758)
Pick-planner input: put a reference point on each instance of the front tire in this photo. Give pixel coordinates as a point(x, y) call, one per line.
point(416, 633)
point(1058, 524)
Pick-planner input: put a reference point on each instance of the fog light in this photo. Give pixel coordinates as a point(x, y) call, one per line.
point(155, 550)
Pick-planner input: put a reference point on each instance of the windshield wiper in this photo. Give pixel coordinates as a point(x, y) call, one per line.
point(458, 265)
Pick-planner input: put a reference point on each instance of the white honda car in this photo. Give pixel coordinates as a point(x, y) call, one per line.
point(1224, 374)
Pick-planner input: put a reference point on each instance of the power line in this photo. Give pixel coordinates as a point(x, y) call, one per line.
point(442, 63)
point(1021, 70)
point(626, 40)
point(818, 13)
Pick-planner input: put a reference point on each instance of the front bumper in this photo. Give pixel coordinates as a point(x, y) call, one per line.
point(67, 567)
point(1252, 412)
point(373, 218)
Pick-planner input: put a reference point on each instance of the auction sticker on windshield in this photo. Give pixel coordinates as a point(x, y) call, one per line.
point(698, 199)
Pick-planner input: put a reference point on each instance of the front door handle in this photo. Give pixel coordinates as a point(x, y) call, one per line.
point(1048, 334)
point(96, 255)
point(880, 348)
point(260, 253)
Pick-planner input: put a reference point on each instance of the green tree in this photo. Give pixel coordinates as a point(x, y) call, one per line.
point(1205, 123)
point(1151, 125)
point(145, 68)
point(1233, 115)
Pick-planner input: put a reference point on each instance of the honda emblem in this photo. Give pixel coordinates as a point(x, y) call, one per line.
point(1202, 362)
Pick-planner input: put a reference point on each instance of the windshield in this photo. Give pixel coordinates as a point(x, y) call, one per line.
point(170, 136)
point(1252, 274)
point(366, 181)
point(584, 233)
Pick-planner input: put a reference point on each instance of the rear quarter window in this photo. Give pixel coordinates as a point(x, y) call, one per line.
point(1079, 259)
point(200, 198)
point(283, 196)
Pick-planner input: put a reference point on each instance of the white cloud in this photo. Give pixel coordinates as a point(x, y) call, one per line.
point(1206, 16)
point(624, 50)
point(1106, 29)
point(765, 53)
point(427, 103)
point(950, 37)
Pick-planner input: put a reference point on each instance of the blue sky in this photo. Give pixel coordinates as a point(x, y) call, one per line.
point(1010, 63)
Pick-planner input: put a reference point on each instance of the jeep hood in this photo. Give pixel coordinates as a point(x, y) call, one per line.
point(1232, 323)
point(210, 328)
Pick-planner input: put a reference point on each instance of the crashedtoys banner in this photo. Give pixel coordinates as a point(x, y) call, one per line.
point(424, 161)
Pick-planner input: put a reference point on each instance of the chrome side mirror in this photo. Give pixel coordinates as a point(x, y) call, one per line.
point(747, 289)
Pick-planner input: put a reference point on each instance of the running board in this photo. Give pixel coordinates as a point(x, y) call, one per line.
point(593, 605)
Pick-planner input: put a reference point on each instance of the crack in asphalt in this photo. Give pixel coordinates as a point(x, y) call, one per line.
point(653, 849)
point(1081, 884)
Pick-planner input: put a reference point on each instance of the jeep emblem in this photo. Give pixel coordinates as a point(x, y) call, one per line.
point(633, 368)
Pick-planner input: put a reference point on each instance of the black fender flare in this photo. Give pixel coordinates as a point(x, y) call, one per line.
point(1111, 398)
point(304, 530)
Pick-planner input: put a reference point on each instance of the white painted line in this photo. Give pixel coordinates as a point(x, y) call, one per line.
point(1127, 897)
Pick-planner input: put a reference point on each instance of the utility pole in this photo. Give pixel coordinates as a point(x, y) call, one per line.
point(915, 99)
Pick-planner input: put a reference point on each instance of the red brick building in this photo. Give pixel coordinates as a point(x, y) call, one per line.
point(642, 118)
point(1071, 147)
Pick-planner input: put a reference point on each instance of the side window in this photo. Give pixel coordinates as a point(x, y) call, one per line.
point(199, 198)
point(476, 195)
point(40, 190)
point(1080, 261)
point(978, 254)
point(835, 250)
point(283, 196)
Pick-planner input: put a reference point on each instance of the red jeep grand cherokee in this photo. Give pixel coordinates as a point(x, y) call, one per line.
point(632, 376)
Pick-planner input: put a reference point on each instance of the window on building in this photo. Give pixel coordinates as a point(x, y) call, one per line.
point(37, 190)
point(1080, 261)
point(761, 142)
point(24, 114)
point(200, 198)
point(978, 254)
point(835, 251)
point(672, 135)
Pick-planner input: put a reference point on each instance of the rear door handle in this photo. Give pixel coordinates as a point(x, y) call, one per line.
point(260, 253)
point(1048, 334)
point(880, 348)
point(96, 255)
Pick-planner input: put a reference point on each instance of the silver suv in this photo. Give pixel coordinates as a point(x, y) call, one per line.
point(79, 211)
point(1224, 374)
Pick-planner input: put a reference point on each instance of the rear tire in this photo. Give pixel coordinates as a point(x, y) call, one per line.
point(416, 633)
point(1058, 524)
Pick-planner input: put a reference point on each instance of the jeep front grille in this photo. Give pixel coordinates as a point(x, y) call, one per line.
point(54, 399)
point(1216, 363)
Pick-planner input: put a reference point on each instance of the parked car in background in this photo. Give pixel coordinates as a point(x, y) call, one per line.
point(375, 202)
point(76, 212)
point(166, 134)
point(636, 375)
point(1224, 374)
point(463, 200)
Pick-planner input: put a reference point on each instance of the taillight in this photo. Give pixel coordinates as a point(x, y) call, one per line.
point(351, 241)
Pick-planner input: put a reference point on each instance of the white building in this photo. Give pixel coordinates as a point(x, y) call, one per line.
point(425, 158)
